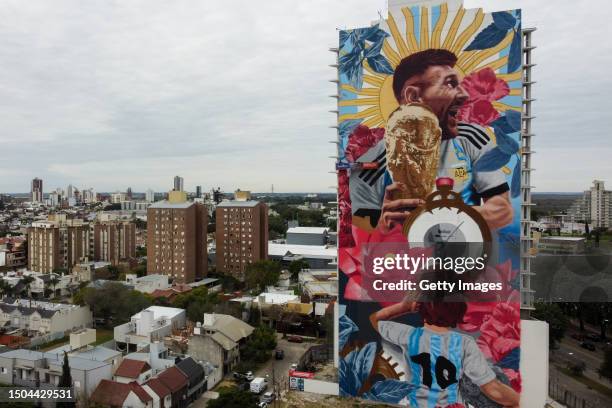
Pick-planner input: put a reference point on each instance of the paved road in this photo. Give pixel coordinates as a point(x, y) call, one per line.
point(280, 368)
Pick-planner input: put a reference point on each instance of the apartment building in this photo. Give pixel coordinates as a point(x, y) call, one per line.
point(113, 241)
point(37, 190)
point(176, 238)
point(58, 243)
point(594, 207)
point(241, 235)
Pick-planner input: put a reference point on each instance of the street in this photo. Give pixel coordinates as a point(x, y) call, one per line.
point(279, 369)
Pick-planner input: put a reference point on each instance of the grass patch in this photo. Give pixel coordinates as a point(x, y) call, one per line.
point(54, 343)
point(594, 385)
point(103, 335)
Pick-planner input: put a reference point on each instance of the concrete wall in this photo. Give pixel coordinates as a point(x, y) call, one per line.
point(321, 387)
point(306, 239)
point(81, 339)
point(534, 363)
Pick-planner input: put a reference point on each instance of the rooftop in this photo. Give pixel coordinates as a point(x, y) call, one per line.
point(166, 204)
point(309, 251)
point(132, 368)
point(161, 311)
point(307, 230)
point(228, 204)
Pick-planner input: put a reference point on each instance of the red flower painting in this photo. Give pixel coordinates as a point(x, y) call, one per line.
point(484, 88)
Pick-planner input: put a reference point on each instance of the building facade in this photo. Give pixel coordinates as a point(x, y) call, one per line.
point(594, 207)
point(241, 235)
point(57, 244)
point(176, 239)
point(113, 241)
point(37, 190)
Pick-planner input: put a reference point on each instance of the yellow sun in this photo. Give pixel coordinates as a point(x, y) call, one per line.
point(375, 101)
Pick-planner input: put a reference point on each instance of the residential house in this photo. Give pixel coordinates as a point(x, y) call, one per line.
point(117, 394)
point(150, 325)
point(162, 396)
point(133, 370)
point(196, 378)
point(177, 382)
point(156, 355)
point(43, 317)
point(218, 340)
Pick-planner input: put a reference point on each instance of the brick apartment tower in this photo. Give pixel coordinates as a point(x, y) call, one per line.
point(241, 235)
point(113, 241)
point(56, 244)
point(176, 238)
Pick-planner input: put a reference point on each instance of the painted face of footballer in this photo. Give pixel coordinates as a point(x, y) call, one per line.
point(441, 90)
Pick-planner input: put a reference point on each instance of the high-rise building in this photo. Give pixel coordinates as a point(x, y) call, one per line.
point(176, 238)
point(241, 235)
point(70, 191)
point(150, 196)
point(594, 207)
point(178, 183)
point(113, 241)
point(37, 190)
point(57, 243)
point(240, 195)
point(198, 191)
point(129, 193)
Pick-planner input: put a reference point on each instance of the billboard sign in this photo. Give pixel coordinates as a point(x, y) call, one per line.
point(429, 228)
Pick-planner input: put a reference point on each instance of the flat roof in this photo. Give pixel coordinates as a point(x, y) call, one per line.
point(304, 250)
point(228, 204)
point(570, 239)
point(161, 311)
point(167, 204)
point(307, 230)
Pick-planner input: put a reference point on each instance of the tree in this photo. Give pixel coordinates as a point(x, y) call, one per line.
point(53, 282)
point(26, 281)
point(4, 287)
point(196, 303)
point(261, 274)
point(258, 347)
point(234, 398)
point(65, 382)
point(605, 370)
point(295, 267)
point(552, 314)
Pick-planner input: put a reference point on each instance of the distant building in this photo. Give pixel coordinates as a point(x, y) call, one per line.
point(241, 236)
point(176, 238)
point(307, 235)
point(43, 317)
point(37, 190)
point(562, 245)
point(240, 195)
point(178, 183)
point(13, 253)
point(118, 197)
point(594, 207)
point(317, 256)
point(198, 192)
point(150, 196)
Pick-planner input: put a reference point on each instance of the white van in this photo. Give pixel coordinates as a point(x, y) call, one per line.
point(258, 385)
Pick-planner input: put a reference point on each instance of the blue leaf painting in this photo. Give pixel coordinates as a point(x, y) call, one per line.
point(511, 360)
point(350, 65)
point(344, 35)
point(380, 64)
point(487, 38)
point(514, 56)
point(355, 368)
point(515, 188)
point(503, 20)
point(505, 143)
point(492, 160)
point(390, 391)
point(509, 123)
point(347, 327)
point(374, 49)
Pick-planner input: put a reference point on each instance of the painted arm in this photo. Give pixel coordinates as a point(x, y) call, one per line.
point(391, 312)
point(501, 393)
point(497, 210)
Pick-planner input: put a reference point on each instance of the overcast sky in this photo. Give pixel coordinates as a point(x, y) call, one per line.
point(112, 94)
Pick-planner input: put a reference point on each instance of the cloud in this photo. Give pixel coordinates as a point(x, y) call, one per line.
point(235, 94)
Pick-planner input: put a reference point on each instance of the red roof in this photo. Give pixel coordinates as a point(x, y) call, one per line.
point(140, 392)
point(114, 393)
point(158, 387)
point(132, 368)
point(173, 378)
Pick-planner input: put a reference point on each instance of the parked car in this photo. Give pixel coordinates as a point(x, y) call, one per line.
point(577, 336)
point(262, 405)
point(295, 339)
point(279, 354)
point(244, 386)
point(593, 337)
point(258, 385)
point(587, 345)
point(268, 397)
point(249, 376)
point(294, 366)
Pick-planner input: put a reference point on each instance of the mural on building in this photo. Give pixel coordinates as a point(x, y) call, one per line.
point(430, 100)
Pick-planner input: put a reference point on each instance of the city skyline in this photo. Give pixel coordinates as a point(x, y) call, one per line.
point(106, 103)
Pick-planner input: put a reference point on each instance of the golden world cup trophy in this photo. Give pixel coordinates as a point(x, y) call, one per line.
point(412, 140)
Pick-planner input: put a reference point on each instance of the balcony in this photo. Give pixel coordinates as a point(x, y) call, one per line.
point(26, 383)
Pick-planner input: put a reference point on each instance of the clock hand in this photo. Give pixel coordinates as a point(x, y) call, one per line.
point(455, 230)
